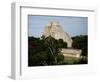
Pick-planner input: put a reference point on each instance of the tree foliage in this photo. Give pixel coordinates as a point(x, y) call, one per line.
point(81, 42)
point(45, 51)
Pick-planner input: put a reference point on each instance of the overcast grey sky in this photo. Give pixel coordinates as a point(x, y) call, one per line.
point(72, 25)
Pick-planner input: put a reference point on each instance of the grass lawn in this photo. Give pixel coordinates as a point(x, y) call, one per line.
point(70, 60)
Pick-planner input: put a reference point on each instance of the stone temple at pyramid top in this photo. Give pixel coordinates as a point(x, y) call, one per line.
point(54, 23)
point(55, 30)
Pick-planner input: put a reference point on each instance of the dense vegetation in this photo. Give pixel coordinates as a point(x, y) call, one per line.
point(81, 42)
point(46, 51)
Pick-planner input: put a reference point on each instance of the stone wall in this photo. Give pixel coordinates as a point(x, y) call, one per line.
point(72, 52)
point(55, 30)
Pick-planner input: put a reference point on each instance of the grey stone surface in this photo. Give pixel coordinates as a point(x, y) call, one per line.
point(71, 52)
point(55, 30)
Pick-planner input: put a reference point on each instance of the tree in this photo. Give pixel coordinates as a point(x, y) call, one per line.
point(81, 42)
point(61, 44)
point(53, 48)
point(36, 52)
point(43, 51)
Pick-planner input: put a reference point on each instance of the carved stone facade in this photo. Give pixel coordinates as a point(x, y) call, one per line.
point(75, 53)
point(55, 30)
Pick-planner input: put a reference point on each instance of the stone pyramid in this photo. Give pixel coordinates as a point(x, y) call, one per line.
point(56, 31)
